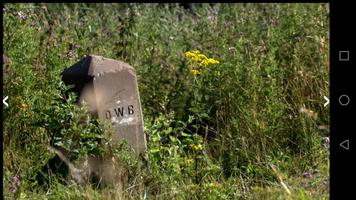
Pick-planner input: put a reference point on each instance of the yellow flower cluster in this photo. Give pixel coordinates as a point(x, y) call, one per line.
point(194, 71)
point(196, 147)
point(189, 161)
point(208, 61)
point(200, 59)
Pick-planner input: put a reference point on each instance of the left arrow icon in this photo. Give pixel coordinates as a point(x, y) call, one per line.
point(327, 101)
point(4, 101)
point(345, 144)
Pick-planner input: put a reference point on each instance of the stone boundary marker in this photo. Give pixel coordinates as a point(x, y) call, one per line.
point(110, 88)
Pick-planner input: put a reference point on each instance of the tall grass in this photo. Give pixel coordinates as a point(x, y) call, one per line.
point(239, 129)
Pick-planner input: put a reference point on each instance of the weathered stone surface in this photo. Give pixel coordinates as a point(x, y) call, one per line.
point(110, 88)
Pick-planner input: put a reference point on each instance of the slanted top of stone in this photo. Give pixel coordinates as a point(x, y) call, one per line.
point(94, 66)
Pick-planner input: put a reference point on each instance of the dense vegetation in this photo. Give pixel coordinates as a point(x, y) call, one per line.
point(247, 124)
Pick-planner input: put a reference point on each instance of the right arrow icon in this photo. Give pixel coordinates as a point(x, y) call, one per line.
point(345, 144)
point(327, 101)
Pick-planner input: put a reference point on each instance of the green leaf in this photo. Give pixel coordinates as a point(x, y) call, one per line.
point(168, 131)
point(173, 139)
point(154, 150)
point(156, 138)
point(185, 134)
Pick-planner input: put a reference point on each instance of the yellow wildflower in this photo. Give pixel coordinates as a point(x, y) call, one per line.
point(194, 72)
point(189, 55)
point(189, 161)
point(203, 63)
point(213, 61)
point(196, 147)
point(195, 57)
point(201, 57)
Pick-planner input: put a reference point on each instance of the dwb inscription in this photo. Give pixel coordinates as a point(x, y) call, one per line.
point(119, 112)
